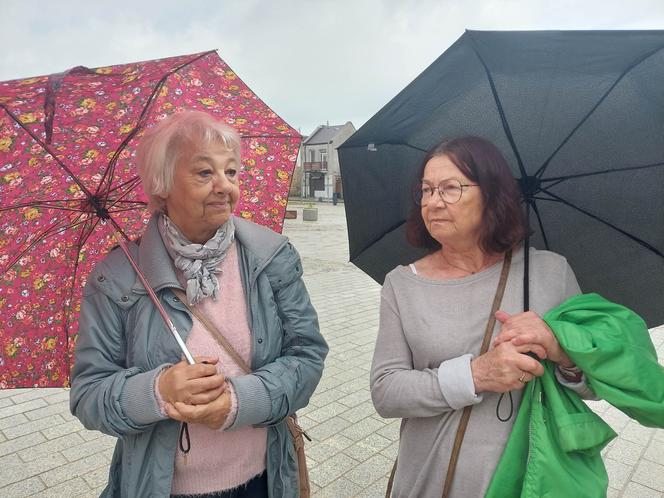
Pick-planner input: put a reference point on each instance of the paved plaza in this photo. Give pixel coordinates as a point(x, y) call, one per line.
point(45, 452)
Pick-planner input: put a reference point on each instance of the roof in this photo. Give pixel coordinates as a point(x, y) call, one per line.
point(323, 134)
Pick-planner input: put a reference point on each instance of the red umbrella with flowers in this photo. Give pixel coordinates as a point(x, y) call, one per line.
point(68, 187)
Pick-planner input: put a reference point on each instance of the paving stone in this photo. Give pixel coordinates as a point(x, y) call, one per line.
point(97, 478)
point(73, 487)
point(625, 451)
point(619, 473)
point(650, 474)
point(26, 487)
point(15, 470)
point(19, 443)
point(61, 408)
point(370, 470)
point(615, 418)
point(634, 490)
point(49, 447)
point(62, 429)
point(88, 448)
point(655, 452)
point(324, 450)
point(637, 433)
point(11, 421)
point(6, 402)
point(340, 488)
point(57, 396)
point(22, 407)
point(25, 395)
point(328, 428)
point(363, 428)
point(31, 426)
point(368, 447)
point(376, 490)
point(84, 465)
point(359, 412)
point(331, 469)
point(326, 412)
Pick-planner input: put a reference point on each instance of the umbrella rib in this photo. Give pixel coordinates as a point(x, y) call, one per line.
point(541, 225)
point(71, 291)
point(610, 225)
point(499, 105)
point(139, 123)
point(558, 179)
point(42, 204)
point(599, 102)
point(47, 232)
point(47, 149)
point(384, 233)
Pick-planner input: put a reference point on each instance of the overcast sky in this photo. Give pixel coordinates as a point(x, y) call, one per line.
point(311, 61)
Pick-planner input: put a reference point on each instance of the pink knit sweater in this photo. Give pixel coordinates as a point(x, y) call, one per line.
point(220, 459)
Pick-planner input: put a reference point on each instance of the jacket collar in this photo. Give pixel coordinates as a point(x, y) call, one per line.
point(154, 260)
point(259, 243)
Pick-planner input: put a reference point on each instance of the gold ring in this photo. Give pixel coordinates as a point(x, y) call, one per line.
point(522, 379)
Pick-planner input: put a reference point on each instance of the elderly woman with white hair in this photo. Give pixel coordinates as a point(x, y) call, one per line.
point(129, 380)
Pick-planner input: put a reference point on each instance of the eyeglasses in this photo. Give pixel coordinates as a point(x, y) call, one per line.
point(450, 191)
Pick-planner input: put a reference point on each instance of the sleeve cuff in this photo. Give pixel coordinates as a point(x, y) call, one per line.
point(232, 414)
point(581, 387)
point(455, 379)
point(253, 401)
point(138, 400)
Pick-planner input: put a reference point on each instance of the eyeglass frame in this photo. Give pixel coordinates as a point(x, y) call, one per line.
point(417, 190)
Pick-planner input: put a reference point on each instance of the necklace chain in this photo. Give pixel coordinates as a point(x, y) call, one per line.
point(459, 267)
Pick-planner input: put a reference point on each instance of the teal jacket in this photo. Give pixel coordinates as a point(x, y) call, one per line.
point(555, 444)
point(123, 344)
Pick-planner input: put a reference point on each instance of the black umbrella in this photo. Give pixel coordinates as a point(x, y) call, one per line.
point(579, 115)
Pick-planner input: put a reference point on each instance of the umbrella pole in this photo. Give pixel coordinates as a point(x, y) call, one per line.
point(155, 299)
point(526, 262)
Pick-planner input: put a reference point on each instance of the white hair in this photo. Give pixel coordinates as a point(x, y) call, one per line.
point(162, 146)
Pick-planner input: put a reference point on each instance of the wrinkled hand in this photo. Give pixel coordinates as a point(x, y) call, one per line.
point(499, 369)
point(192, 384)
point(212, 414)
point(529, 329)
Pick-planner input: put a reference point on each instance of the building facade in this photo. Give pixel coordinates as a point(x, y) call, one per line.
point(317, 167)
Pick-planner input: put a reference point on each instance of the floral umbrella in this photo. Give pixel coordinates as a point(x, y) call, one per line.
point(66, 151)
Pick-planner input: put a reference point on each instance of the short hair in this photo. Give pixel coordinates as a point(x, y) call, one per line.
point(162, 146)
point(503, 219)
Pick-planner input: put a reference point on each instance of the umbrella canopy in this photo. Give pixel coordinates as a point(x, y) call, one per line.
point(579, 115)
point(66, 151)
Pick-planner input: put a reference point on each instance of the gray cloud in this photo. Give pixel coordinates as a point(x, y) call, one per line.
point(311, 61)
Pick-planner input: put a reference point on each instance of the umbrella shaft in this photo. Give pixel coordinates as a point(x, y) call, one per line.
point(155, 299)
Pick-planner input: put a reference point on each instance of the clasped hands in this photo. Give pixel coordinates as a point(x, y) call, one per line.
point(506, 366)
point(197, 393)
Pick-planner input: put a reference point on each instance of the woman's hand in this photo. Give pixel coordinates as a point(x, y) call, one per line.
point(192, 384)
point(504, 368)
point(529, 329)
point(212, 414)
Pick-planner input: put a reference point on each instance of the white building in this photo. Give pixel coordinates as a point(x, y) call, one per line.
point(319, 161)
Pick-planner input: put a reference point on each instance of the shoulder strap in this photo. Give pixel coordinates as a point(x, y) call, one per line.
point(463, 423)
point(218, 336)
point(465, 416)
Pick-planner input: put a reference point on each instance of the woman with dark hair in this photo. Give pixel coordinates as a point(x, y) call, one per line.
point(429, 365)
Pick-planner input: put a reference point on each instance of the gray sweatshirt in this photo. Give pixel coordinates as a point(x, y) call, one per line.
point(429, 331)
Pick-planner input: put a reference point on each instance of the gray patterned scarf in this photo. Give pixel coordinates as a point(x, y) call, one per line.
point(198, 262)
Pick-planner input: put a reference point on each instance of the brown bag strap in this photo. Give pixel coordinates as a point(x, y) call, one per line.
point(465, 416)
point(216, 333)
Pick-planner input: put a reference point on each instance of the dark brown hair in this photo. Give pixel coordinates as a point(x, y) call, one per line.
point(503, 220)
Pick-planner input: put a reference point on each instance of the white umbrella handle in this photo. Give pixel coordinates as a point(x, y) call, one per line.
point(155, 299)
